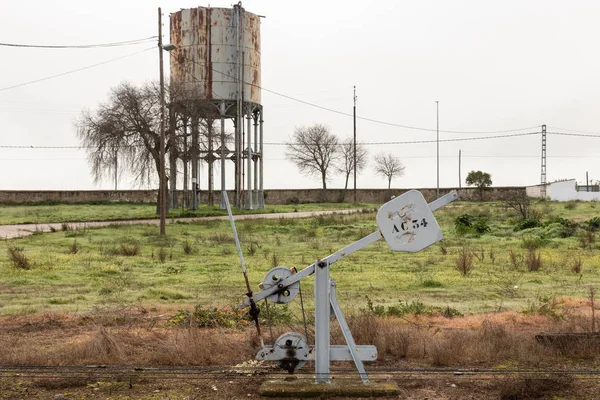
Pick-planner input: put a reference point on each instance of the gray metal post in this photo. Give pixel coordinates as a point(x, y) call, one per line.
point(255, 162)
point(249, 202)
point(261, 193)
point(222, 206)
point(322, 328)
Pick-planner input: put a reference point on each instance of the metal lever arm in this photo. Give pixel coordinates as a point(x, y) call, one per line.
point(338, 255)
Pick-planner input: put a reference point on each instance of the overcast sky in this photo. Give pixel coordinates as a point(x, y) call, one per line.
point(492, 65)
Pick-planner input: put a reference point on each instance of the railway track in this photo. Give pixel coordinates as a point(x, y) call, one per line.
point(228, 373)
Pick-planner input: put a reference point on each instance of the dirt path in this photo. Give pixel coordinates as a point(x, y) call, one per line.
point(22, 230)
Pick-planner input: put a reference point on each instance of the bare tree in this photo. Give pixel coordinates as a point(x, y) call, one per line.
point(129, 121)
point(389, 166)
point(346, 163)
point(314, 150)
point(518, 201)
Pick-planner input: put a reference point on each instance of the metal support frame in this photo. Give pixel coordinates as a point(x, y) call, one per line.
point(326, 302)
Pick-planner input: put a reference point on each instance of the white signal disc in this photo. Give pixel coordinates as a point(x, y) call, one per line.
point(407, 223)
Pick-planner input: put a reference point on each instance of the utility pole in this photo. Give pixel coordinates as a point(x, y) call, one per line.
point(162, 184)
point(543, 179)
point(587, 182)
point(354, 144)
point(459, 181)
point(437, 113)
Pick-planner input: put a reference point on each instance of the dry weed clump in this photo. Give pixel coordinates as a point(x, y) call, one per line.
point(193, 346)
point(448, 349)
point(130, 249)
point(74, 247)
point(18, 258)
point(534, 259)
point(577, 264)
point(101, 347)
point(162, 255)
point(464, 261)
point(391, 336)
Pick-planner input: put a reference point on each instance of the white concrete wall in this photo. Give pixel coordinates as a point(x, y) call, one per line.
point(565, 191)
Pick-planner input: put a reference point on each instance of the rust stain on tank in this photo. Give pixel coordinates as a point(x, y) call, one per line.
point(206, 53)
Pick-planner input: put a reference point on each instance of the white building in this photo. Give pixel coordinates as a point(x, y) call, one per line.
point(563, 191)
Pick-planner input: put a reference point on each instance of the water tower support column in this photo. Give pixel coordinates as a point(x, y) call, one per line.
point(249, 202)
point(223, 155)
point(255, 161)
point(194, 156)
point(237, 153)
point(261, 193)
point(210, 159)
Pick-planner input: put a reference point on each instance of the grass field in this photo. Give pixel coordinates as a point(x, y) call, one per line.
point(48, 213)
point(82, 270)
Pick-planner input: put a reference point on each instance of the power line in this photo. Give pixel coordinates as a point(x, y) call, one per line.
point(573, 134)
point(74, 70)
point(364, 118)
point(573, 130)
point(82, 46)
point(285, 144)
point(426, 141)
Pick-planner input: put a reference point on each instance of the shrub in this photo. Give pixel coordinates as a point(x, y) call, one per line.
point(18, 259)
point(586, 238)
point(467, 223)
point(560, 227)
point(593, 224)
point(570, 205)
point(403, 308)
point(531, 241)
point(480, 226)
point(463, 223)
point(432, 283)
point(211, 317)
point(527, 224)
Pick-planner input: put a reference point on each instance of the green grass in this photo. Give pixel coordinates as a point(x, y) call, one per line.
point(99, 275)
point(44, 214)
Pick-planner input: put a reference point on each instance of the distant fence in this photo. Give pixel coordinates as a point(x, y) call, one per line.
point(273, 196)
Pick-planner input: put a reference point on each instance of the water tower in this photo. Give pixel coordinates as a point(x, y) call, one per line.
point(215, 75)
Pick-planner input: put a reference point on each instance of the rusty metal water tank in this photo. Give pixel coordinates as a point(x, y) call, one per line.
point(213, 47)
